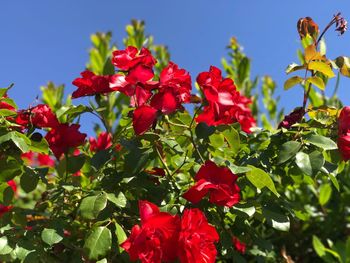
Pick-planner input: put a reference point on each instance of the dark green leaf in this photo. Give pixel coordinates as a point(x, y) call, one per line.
point(303, 162)
point(50, 236)
point(325, 194)
point(277, 220)
point(323, 142)
point(261, 179)
point(288, 150)
point(98, 243)
point(203, 130)
point(91, 206)
point(29, 180)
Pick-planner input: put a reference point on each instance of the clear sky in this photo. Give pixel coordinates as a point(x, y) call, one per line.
point(46, 40)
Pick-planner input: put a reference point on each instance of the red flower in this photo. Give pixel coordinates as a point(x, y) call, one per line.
point(91, 84)
point(294, 117)
point(13, 185)
point(5, 105)
point(225, 104)
point(174, 89)
point(63, 137)
point(45, 160)
point(143, 119)
point(197, 238)
point(39, 116)
point(4, 209)
point(239, 246)
point(155, 240)
point(103, 142)
point(138, 64)
point(220, 182)
point(39, 159)
point(344, 133)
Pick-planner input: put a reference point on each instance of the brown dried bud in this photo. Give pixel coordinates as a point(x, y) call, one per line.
point(307, 26)
point(341, 24)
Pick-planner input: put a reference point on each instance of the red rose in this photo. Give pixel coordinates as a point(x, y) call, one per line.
point(225, 104)
point(40, 116)
point(103, 142)
point(294, 117)
point(39, 159)
point(239, 246)
point(155, 240)
point(63, 137)
point(4, 209)
point(143, 119)
point(91, 84)
point(174, 89)
point(197, 238)
point(219, 182)
point(13, 185)
point(344, 133)
point(138, 64)
point(5, 105)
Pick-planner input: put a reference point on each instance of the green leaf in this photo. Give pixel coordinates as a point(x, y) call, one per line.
point(50, 236)
point(108, 68)
point(29, 180)
point(293, 67)
point(238, 169)
point(4, 247)
point(334, 181)
point(217, 140)
point(343, 63)
point(98, 243)
point(247, 209)
point(288, 151)
point(75, 163)
point(261, 179)
point(91, 206)
point(320, 141)
point(18, 139)
point(100, 158)
point(119, 200)
point(317, 81)
point(203, 130)
point(277, 220)
point(317, 161)
point(322, 67)
point(303, 162)
point(325, 194)
point(121, 236)
point(10, 168)
point(232, 137)
point(291, 82)
point(318, 246)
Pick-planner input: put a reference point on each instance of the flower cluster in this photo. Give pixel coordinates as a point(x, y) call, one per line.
point(151, 98)
point(344, 133)
point(225, 104)
point(38, 159)
point(219, 182)
point(163, 237)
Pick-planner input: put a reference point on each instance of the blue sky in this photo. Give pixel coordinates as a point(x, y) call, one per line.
point(48, 40)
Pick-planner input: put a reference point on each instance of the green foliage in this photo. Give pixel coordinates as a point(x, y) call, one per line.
point(294, 186)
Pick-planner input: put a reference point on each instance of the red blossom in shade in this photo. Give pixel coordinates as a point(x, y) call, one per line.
point(219, 182)
point(13, 185)
point(39, 159)
point(45, 160)
point(5, 209)
point(103, 142)
point(239, 246)
point(39, 116)
point(138, 64)
point(63, 137)
point(155, 240)
point(225, 104)
point(174, 89)
point(197, 238)
point(344, 133)
point(143, 118)
point(157, 173)
point(294, 117)
point(90, 84)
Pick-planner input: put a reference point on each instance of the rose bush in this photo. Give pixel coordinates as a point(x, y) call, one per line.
point(213, 173)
